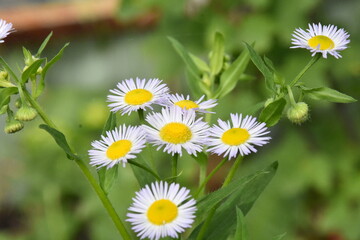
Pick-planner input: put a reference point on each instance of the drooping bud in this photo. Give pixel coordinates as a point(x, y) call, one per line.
point(12, 126)
point(25, 113)
point(298, 113)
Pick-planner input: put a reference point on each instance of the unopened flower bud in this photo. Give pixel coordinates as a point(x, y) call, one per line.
point(25, 113)
point(298, 113)
point(4, 76)
point(13, 126)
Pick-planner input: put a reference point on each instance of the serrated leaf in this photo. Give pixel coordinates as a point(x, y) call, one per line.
point(241, 232)
point(328, 94)
point(232, 75)
point(43, 44)
point(217, 54)
point(272, 113)
point(5, 95)
point(260, 64)
point(32, 69)
point(107, 177)
point(241, 193)
point(47, 66)
point(60, 139)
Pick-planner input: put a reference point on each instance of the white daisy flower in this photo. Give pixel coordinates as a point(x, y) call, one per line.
point(133, 95)
point(117, 146)
point(186, 103)
point(5, 29)
point(161, 211)
point(175, 129)
point(321, 39)
point(230, 139)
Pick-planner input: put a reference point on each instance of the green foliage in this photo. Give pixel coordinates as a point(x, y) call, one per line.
point(241, 232)
point(217, 54)
point(43, 44)
point(31, 70)
point(272, 113)
point(5, 94)
point(327, 94)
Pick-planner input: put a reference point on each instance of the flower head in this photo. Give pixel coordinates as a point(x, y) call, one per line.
point(175, 129)
point(133, 95)
point(5, 29)
point(321, 39)
point(239, 136)
point(160, 210)
point(117, 146)
point(186, 104)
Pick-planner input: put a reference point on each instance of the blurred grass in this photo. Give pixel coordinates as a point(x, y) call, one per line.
point(315, 194)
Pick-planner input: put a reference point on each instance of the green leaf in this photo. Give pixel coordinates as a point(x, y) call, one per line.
point(217, 54)
point(43, 44)
point(194, 84)
point(107, 177)
point(241, 193)
point(27, 54)
point(8, 69)
point(32, 69)
point(143, 177)
point(241, 233)
point(272, 113)
point(260, 64)
point(279, 237)
point(231, 76)
point(5, 95)
point(201, 158)
point(200, 64)
point(278, 78)
point(328, 94)
point(46, 68)
point(60, 139)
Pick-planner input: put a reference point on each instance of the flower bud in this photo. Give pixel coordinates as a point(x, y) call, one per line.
point(25, 113)
point(13, 126)
point(4, 76)
point(298, 113)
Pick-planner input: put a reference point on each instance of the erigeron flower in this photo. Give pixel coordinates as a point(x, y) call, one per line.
point(133, 95)
point(117, 146)
point(185, 103)
point(161, 210)
point(238, 137)
point(5, 29)
point(175, 129)
point(321, 39)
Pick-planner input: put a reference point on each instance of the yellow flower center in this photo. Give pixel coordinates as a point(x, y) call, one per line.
point(235, 136)
point(175, 133)
point(118, 149)
point(321, 42)
point(186, 104)
point(138, 97)
point(162, 211)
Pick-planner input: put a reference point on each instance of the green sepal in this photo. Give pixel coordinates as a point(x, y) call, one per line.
point(107, 177)
point(32, 69)
point(217, 54)
point(56, 58)
point(60, 139)
point(232, 75)
point(327, 94)
point(43, 44)
point(272, 113)
point(260, 64)
point(241, 193)
point(241, 231)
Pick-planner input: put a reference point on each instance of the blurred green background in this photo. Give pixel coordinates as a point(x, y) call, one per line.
point(315, 194)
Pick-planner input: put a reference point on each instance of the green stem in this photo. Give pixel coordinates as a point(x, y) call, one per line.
point(141, 115)
point(310, 63)
point(104, 199)
point(232, 171)
point(174, 166)
point(202, 177)
point(291, 96)
point(145, 168)
point(203, 184)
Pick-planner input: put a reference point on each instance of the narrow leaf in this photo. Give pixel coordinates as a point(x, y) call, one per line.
point(278, 78)
point(60, 139)
point(43, 44)
point(200, 64)
point(143, 177)
point(107, 177)
point(217, 54)
point(46, 68)
point(8, 69)
point(328, 94)
point(5, 95)
point(231, 76)
point(241, 233)
point(260, 64)
point(32, 69)
point(272, 113)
